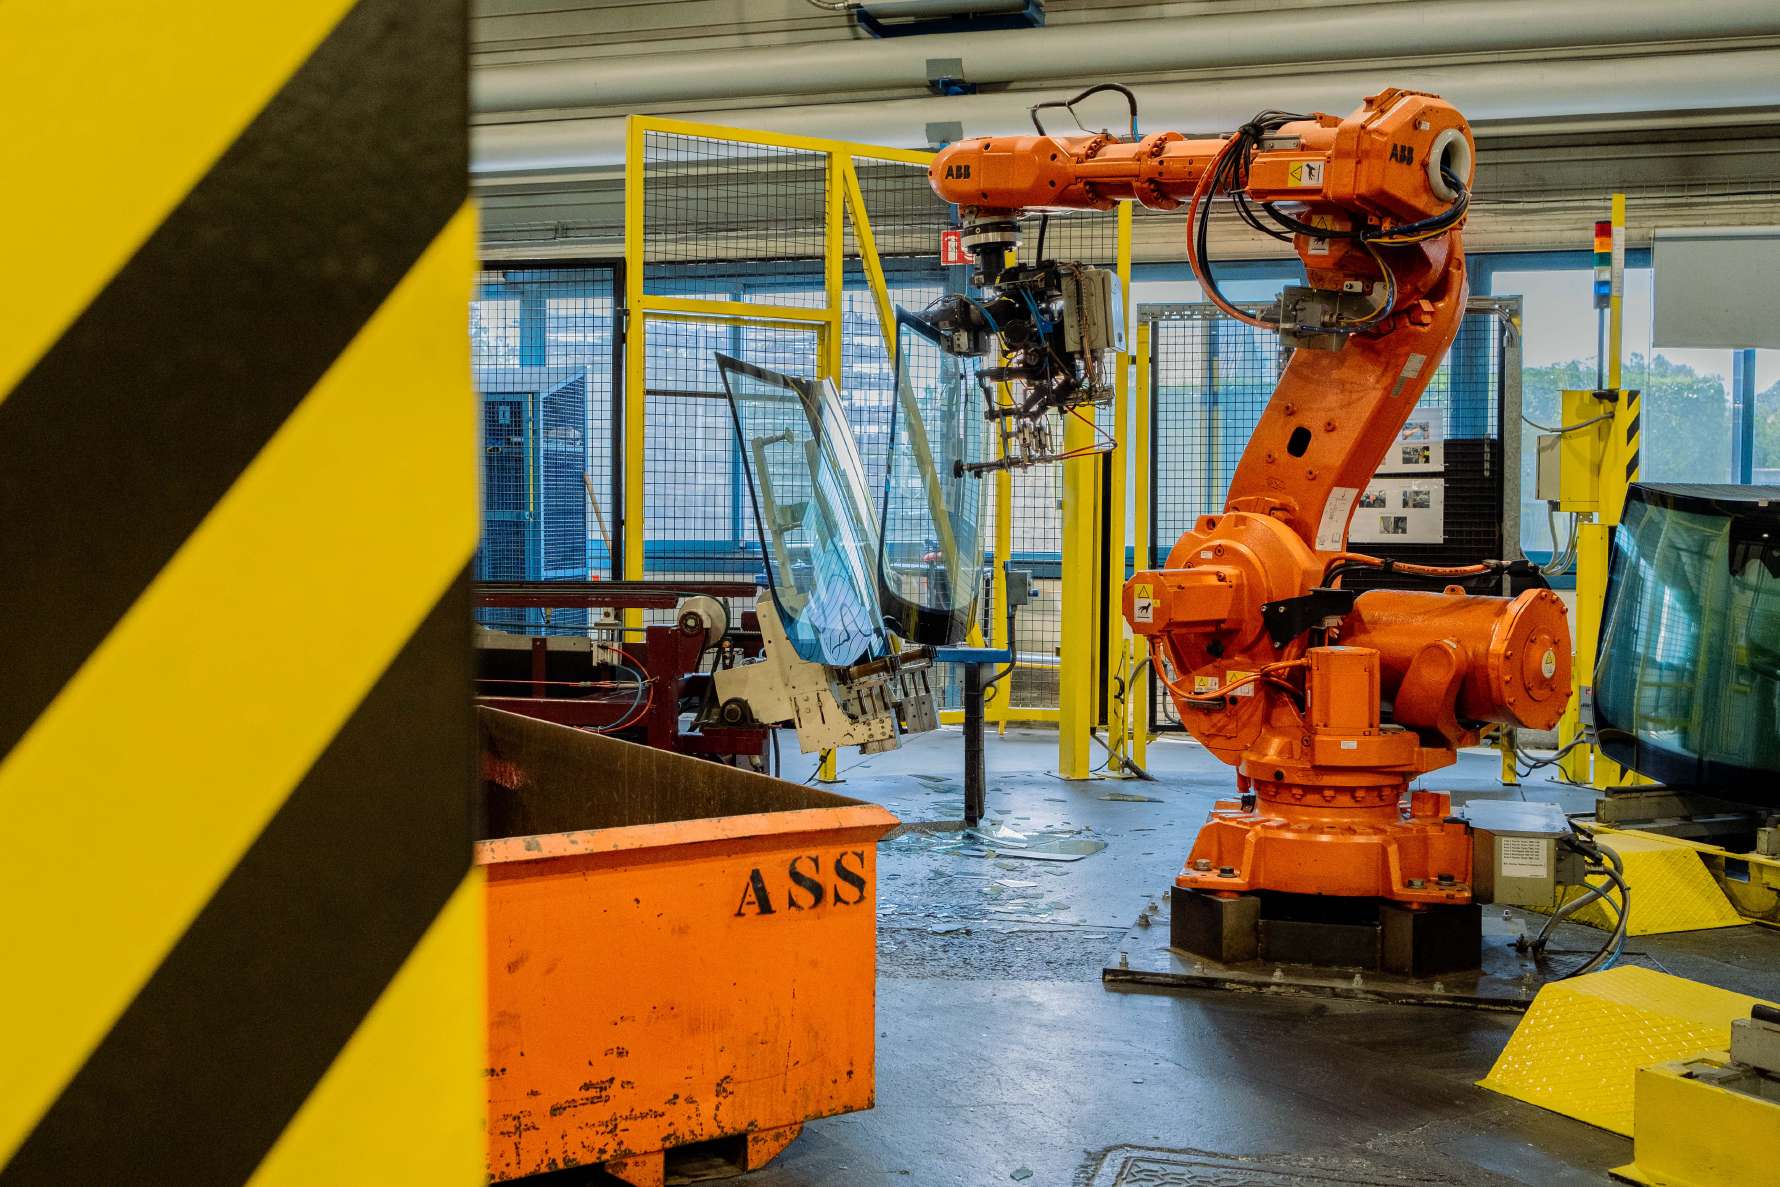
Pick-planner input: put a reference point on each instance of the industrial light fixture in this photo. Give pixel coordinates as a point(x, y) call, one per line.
point(898, 18)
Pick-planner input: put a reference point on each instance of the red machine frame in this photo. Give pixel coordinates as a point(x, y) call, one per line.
point(668, 656)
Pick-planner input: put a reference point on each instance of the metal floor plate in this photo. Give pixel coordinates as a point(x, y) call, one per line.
point(1507, 981)
point(1137, 1166)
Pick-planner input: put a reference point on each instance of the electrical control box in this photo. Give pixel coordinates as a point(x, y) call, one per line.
point(1019, 587)
point(1093, 311)
point(1549, 487)
point(1582, 451)
point(1516, 858)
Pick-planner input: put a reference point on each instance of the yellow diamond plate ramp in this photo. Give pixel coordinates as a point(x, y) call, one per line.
point(1672, 890)
point(1582, 1042)
point(1754, 888)
point(1695, 1134)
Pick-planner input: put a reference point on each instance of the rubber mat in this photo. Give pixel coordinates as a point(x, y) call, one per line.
point(1671, 888)
point(1578, 1050)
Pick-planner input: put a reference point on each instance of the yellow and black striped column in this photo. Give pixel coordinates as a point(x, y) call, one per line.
point(237, 499)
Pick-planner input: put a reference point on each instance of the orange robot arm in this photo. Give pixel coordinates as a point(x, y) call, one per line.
point(1272, 665)
point(1382, 168)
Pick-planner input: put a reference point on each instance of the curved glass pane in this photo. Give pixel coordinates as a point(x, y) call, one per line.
point(1687, 686)
point(812, 510)
point(930, 568)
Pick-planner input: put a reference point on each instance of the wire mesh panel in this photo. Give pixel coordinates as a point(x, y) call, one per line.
point(735, 211)
point(906, 219)
point(733, 221)
point(1089, 237)
point(696, 519)
point(1211, 377)
point(543, 356)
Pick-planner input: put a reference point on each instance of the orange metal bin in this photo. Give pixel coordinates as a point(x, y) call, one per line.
point(679, 952)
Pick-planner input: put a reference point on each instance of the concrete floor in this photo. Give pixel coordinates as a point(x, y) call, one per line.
point(1000, 1053)
point(1003, 1059)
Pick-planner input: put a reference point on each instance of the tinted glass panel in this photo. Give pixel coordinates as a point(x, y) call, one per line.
point(813, 512)
point(931, 566)
point(1688, 682)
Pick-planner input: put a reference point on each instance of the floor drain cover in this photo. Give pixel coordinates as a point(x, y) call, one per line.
point(1135, 1166)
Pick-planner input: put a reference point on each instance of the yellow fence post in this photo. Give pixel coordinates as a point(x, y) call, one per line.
point(1618, 467)
point(833, 262)
point(1082, 647)
point(1114, 665)
point(1076, 628)
point(1137, 697)
point(1001, 712)
point(636, 358)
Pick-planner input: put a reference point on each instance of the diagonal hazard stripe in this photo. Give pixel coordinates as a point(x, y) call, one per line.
point(180, 737)
point(146, 97)
point(209, 1063)
point(121, 438)
point(425, 1040)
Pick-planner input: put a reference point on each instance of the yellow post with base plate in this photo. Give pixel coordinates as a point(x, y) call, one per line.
point(1137, 692)
point(1598, 460)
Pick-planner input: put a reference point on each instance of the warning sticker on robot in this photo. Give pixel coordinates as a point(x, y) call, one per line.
point(1245, 690)
point(1305, 173)
point(1523, 857)
point(1319, 247)
point(1143, 603)
point(1334, 525)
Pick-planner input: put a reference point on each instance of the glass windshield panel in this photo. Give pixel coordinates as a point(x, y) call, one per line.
point(1687, 685)
point(931, 566)
point(812, 510)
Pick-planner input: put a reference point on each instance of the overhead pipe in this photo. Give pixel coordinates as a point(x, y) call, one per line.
point(1703, 82)
point(1121, 49)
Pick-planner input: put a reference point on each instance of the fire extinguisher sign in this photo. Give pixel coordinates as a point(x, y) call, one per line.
point(951, 247)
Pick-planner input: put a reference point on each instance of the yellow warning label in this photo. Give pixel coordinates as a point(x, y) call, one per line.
point(1305, 173)
point(1203, 684)
point(1143, 603)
